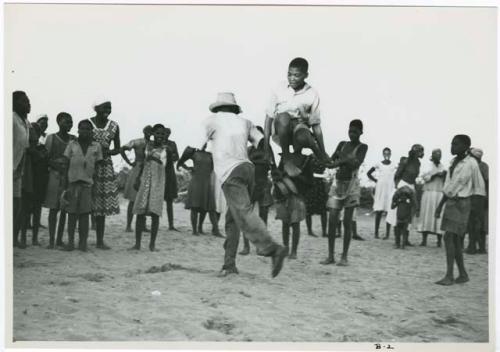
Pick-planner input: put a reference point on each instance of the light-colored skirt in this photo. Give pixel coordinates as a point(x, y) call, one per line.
point(427, 221)
point(129, 192)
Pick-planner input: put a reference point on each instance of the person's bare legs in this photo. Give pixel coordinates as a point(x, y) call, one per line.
point(378, 217)
point(72, 219)
point(295, 239)
point(100, 226)
point(194, 222)
point(201, 220)
point(285, 232)
point(155, 224)
point(83, 231)
point(459, 259)
point(37, 210)
point(170, 214)
point(387, 231)
point(130, 216)
point(60, 229)
point(16, 219)
point(323, 223)
point(348, 212)
point(214, 220)
point(140, 221)
point(309, 226)
point(332, 226)
point(424, 239)
point(449, 243)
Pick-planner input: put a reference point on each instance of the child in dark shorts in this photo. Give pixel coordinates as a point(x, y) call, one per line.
point(405, 202)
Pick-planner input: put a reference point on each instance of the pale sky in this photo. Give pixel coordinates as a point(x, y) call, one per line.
point(412, 74)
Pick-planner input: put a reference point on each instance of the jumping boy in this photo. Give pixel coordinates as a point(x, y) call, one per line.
point(345, 192)
point(463, 180)
point(82, 155)
point(292, 112)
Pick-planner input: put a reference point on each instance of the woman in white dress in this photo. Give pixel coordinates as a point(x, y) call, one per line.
point(433, 182)
point(384, 172)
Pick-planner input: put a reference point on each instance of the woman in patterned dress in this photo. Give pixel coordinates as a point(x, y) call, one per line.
point(105, 192)
point(151, 188)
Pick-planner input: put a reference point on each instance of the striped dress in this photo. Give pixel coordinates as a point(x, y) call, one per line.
point(105, 194)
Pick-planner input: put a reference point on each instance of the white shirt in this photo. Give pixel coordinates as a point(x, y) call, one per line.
point(466, 180)
point(229, 135)
point(303, 104)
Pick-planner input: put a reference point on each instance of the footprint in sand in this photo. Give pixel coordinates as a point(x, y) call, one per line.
point(219, 324)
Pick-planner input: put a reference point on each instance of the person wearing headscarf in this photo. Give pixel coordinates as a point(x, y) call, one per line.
point(433, 181)
point(43, 122)
point(406, 175)
point(105, 189)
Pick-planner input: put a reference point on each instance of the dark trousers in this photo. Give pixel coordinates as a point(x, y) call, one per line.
point(240, 216)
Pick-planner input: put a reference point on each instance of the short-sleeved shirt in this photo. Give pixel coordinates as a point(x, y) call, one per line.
point(466, 179)
point(229, 134)
point(303, 104)
point(82, 167)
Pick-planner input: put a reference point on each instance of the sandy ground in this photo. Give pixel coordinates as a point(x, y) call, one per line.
point(384, 295)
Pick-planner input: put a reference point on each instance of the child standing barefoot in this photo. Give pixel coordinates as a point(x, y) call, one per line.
point(56, 144)
point(289, 192)
point(82, 156)
point(150, 191)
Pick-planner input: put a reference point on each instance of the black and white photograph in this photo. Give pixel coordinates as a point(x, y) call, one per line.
point(250, 175)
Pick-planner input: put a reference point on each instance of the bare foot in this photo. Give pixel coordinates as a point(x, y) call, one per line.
point(171, 228)
point(343, 262)
point(135, 248)
point(327, 261)
point(446, 281)
point(292, 256)
point(128, 229)
point(312, 234)
point(462, 279)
